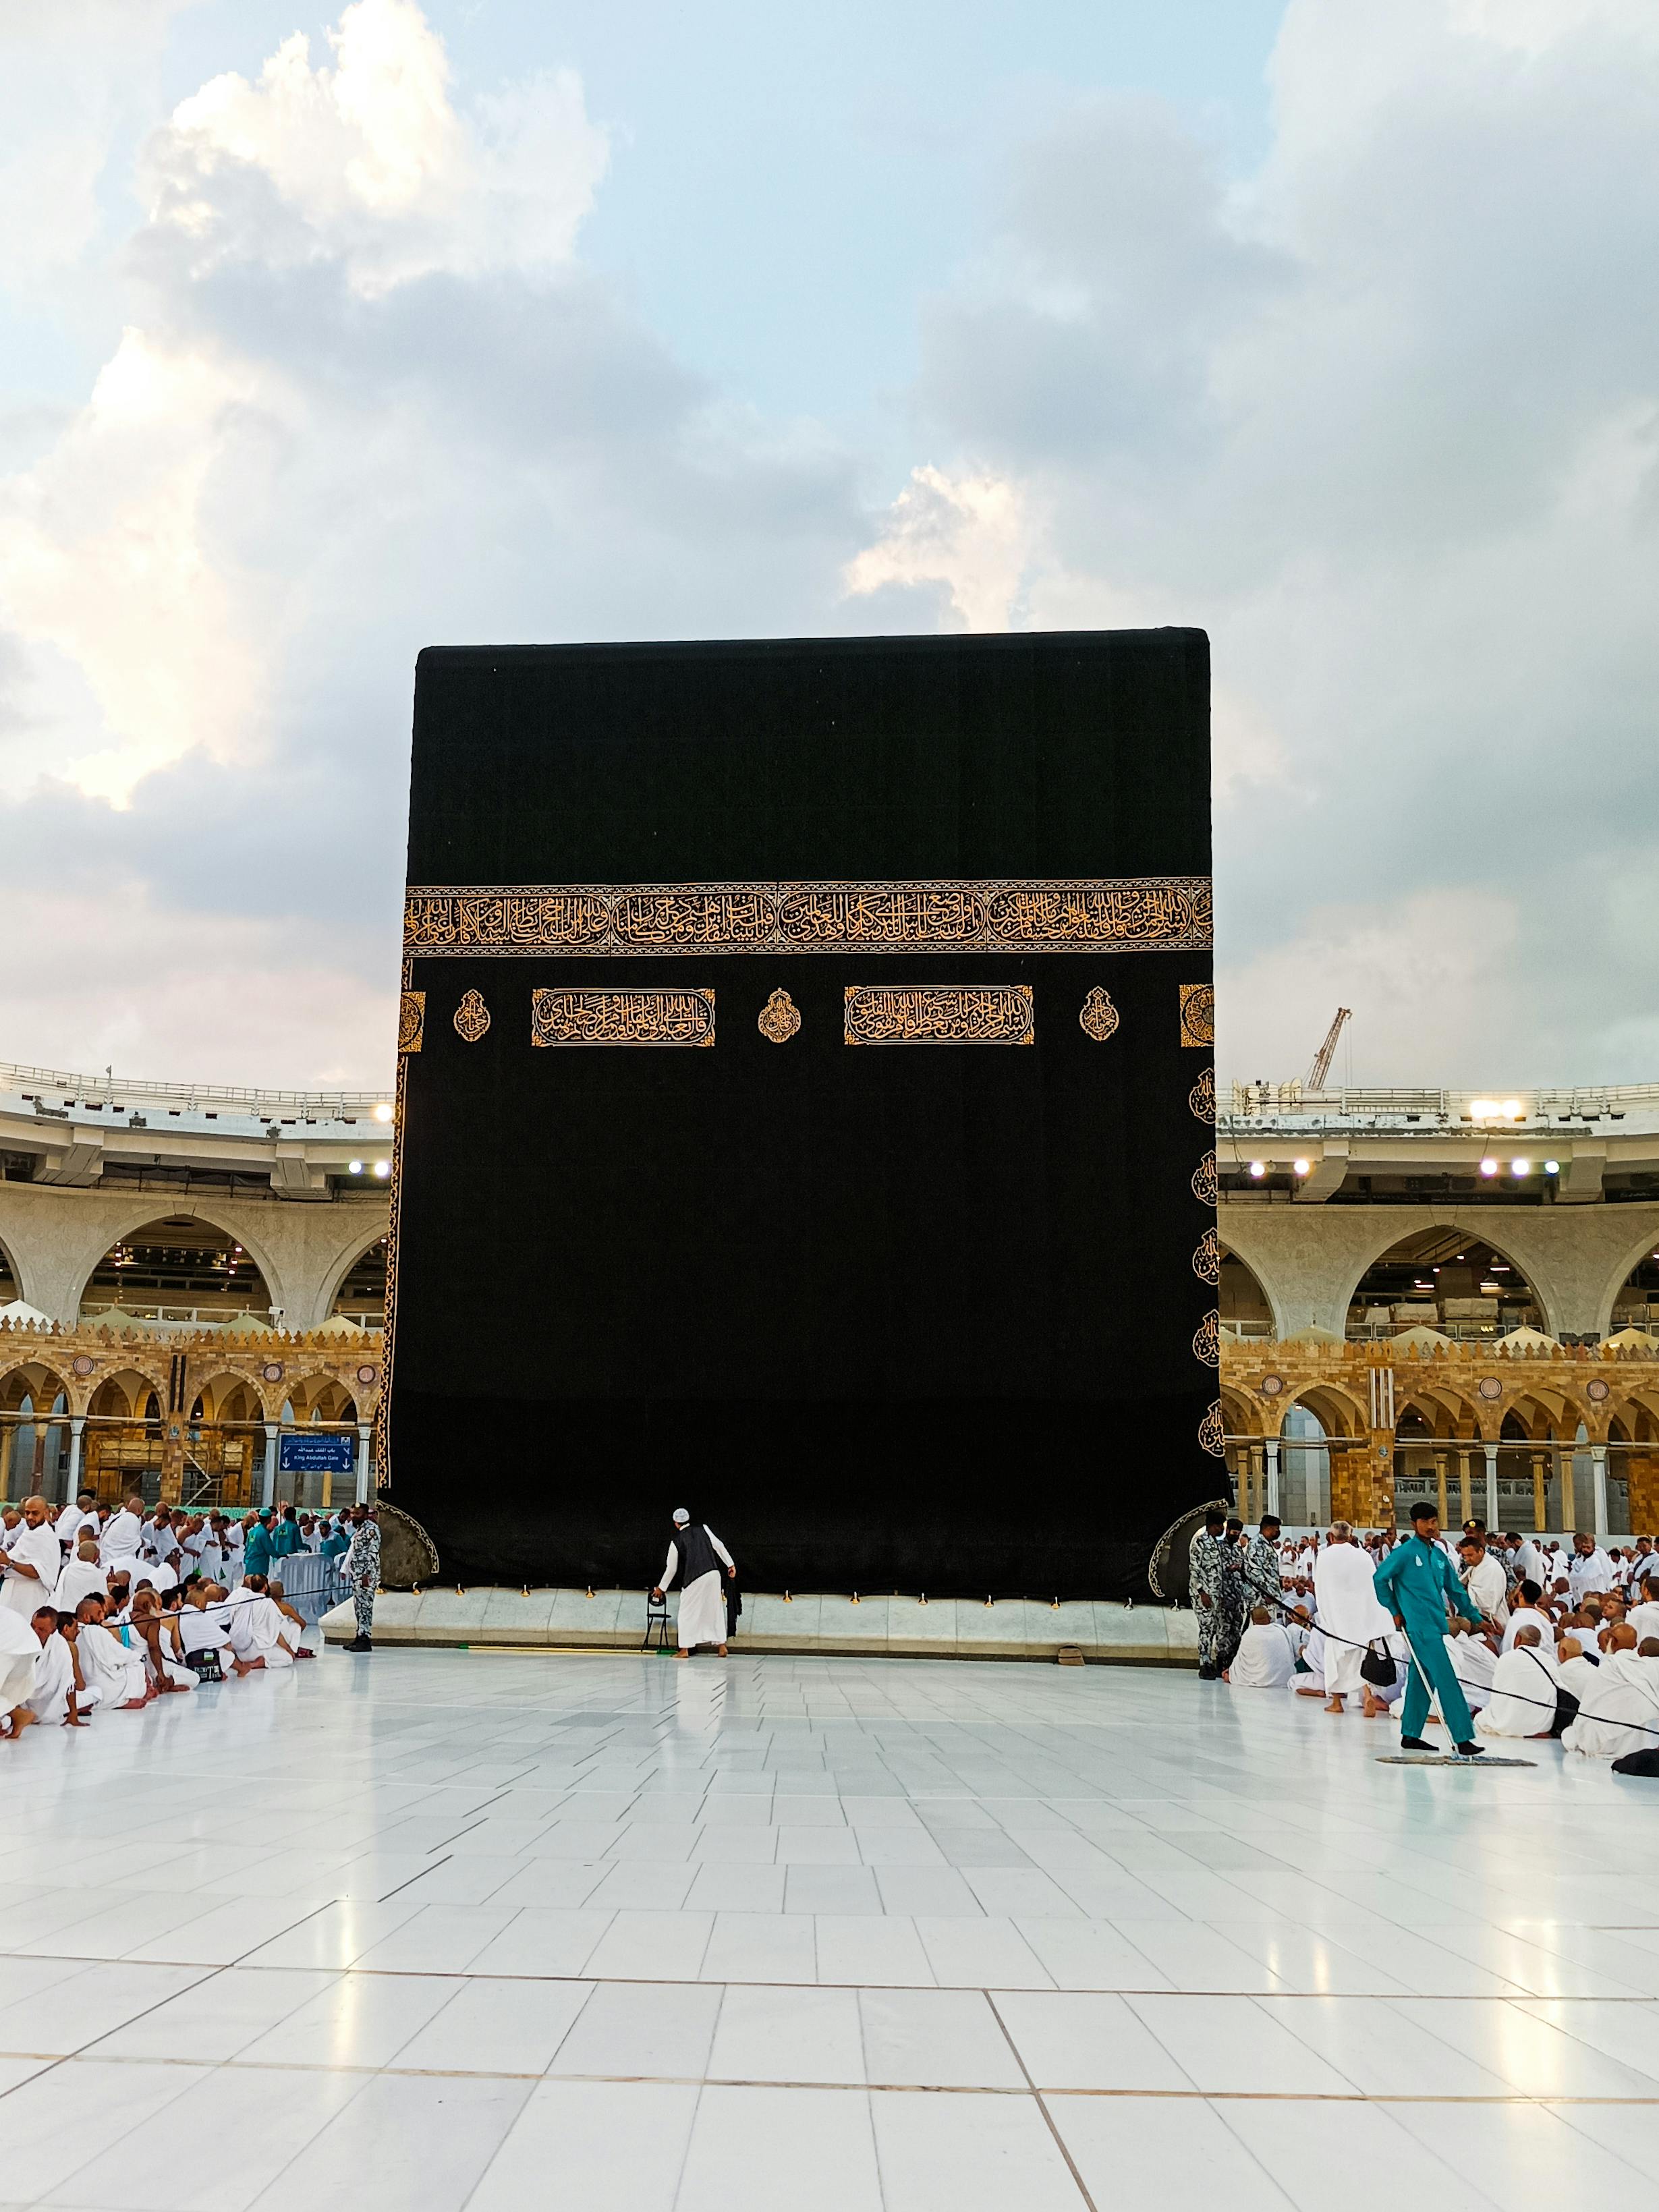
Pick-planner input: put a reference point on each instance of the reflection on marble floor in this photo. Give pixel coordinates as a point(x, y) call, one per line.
point(439, 1930)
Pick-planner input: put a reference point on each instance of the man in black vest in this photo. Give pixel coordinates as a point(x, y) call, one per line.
point(695, 1555)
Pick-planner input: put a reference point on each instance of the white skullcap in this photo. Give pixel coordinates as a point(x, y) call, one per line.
point(682, 1518)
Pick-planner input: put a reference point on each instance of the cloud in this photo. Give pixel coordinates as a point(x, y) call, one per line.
point(367, 161)
point(367, 399)
point(1383, 417)
point(973, 534)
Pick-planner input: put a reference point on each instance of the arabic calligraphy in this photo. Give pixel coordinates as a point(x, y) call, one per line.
point(471, 1017)
point(1206, 1188)
point(1212, 1433)
point(1207, 1258)
point(1201, 1099)
point(622, 1017)
point(940, 1013)
point(1206, 1339)
point(411, 1020)
point(779, 1020)
point(1157, 913)
point(1198, 1013)
point(1099, 1017)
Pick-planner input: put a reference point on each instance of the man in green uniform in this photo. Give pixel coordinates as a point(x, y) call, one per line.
point(1417, 1582)
point(257, 1551)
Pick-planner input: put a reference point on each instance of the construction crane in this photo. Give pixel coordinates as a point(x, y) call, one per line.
point(1326, 1052)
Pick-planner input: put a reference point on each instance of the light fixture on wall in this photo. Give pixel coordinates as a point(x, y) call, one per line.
point(1258, 1169)
point(1489, 1167)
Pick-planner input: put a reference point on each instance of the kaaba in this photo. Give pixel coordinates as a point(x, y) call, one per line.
point(807, 1100)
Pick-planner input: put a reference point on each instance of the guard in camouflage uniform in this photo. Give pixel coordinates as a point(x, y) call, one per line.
point(1208, 1581)
point(1264, 1581)
point(362, 1574)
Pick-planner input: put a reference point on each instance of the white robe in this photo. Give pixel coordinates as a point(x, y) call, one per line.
point(1627, 1690)
point(1264, 1660)
point(703, 1604)
point(1523, 1701)
point(255, 1629)
point(1488, 1585)
point(1474, 1665)
point(54, 1679)
point(108, 1665)
point(1529, 1564)
point(1644, 1619)
point(1591, 1575)
point(122, 1537)
point(37, 1548)
point(19, 1647)
point(1350, 1612)
point(68, 1526)
point(1526, 1616)
point(80, 1578)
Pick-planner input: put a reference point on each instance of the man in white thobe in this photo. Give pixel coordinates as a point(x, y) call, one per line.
point(260, 1631)
point(1590, 1571)
point(1351, 1614)
point(1265, 1659)
point(123, 1537)
point(1576, 1672)
point(19, 1647)
point(109, 1666)
point(31, 1565)
point(1621, 1712)
point(81, 1577)
point(73, 1519)
point(1484, 1578)
point(1523, 1685)
point(1528, 1612)
point(696, 1554)
point(52, 1698)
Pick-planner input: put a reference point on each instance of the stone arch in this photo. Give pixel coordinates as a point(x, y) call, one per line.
point(116, 1231)
point(228, 1396)
point(340, 1266)
point(11, 1253)
point(1390, 1235)
point(323, 1397)
point(38, 1387)
point(134, 1385)
point(1635, 1253)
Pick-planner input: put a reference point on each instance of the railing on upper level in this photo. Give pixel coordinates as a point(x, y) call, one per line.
point(58, 1087)
point(1270, 1102)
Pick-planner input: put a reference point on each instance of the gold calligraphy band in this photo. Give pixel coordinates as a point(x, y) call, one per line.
point(1129, 914)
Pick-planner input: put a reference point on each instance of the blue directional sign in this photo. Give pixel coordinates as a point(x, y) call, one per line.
point(298, 1454)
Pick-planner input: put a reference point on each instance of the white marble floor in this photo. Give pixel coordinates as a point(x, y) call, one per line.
point(438, 1930)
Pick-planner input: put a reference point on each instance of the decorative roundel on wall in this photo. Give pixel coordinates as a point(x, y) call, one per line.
point(367, 1374)
point(1598, 1389)
point(1490, 1386)
point(1271, 1385)
point(81, 1365)
point(271, 1372)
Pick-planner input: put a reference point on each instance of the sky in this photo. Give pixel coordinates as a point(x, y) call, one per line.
point(1328, 327)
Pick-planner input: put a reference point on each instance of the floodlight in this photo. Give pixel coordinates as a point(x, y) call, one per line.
point(1489, 1167)
point(1258, 1168)
point(1300, 1167)
point(383, 1168)
point(383, 1113)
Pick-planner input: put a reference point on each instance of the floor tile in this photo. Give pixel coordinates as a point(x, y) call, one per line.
point(426, 2141)
point(970, 2153)
point(642, 2030)
point(811, 2148)
point(788, 2035)
point(612, 2146)
point(936, 2039)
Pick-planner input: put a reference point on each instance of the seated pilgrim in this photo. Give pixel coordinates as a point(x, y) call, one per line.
point(1265, 1659)
point(116, 1671)
point(1575, 1668)
point(81, 1577)
point(1523, 1684)
point(1621, 1712)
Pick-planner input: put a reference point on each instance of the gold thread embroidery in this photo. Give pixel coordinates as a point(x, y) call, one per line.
point(471, 1017)
point(1211, 1432)
point(1201, 1099)
point(1206, 1339)
point(1197, 1014)
point(1100, 1017)
point(641, 1017)
point(1206, 1188)
point(779, 1020)
point(1158, 913)
point(411, 1020)
point(940, 1013)
point(1206, 1258)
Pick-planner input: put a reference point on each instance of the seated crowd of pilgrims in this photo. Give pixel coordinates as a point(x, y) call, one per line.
point(103, 1610)
point(1566, 1643)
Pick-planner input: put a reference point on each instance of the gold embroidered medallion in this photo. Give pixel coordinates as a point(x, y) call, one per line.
point(1100, 1017)
point(1198, 1014)
point(1206, 1339)
point(779, 1020)
point(1206, 1188)
point(1212, 1432)
point(411, 1020)
point(1207, 1258)
point(1201, 1099)
point(472, 1018)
